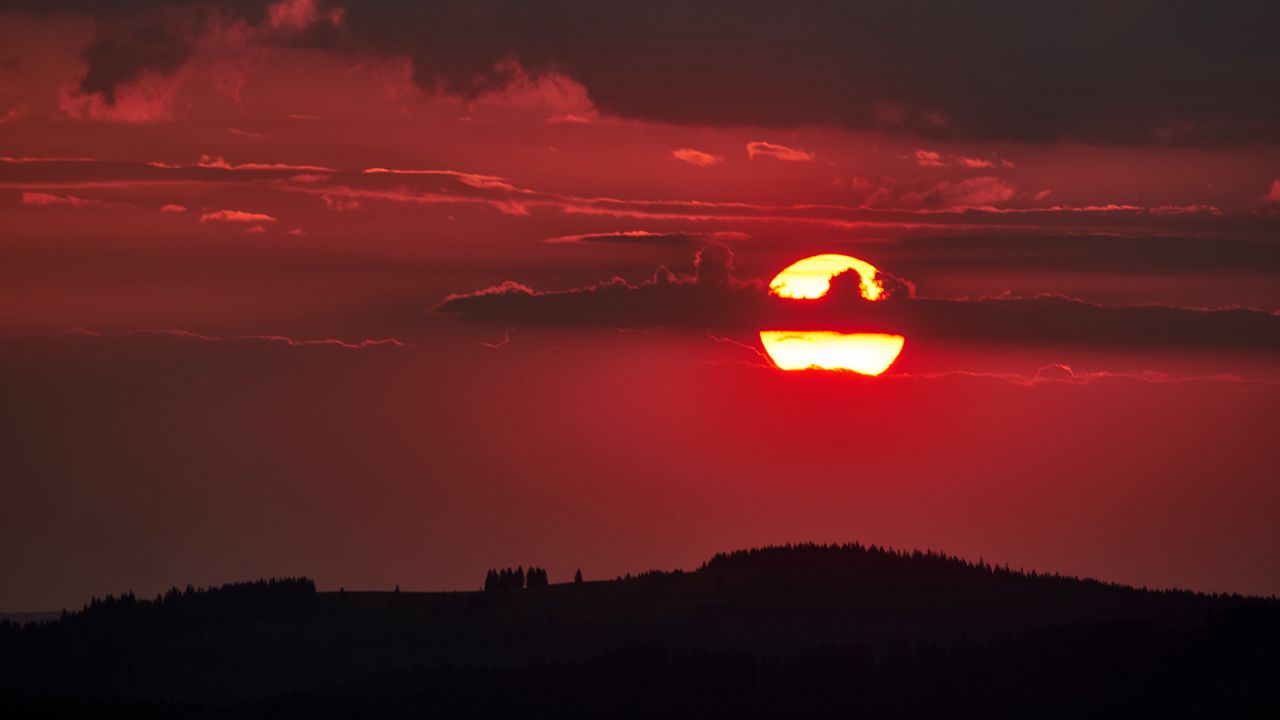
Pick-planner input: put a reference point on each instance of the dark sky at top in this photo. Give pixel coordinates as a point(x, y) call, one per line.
point(1107, 71)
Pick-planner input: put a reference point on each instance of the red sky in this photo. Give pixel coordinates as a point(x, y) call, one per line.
point(208, 208)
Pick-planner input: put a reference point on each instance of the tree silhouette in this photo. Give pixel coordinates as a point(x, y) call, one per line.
point(508, 579)
point(536, 577)
point(577, 577)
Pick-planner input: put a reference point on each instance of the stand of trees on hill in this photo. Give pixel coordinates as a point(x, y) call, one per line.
point(508, 579)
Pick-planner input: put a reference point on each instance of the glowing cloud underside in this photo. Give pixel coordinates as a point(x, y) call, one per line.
point(811, 277)
point(866, 353)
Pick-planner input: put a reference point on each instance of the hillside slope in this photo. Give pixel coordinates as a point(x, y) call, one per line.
point(783, 630)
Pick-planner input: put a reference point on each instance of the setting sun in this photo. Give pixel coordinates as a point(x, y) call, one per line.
point(809, 279)
point(865, 353)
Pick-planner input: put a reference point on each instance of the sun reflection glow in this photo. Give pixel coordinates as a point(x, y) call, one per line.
point(811, 277)
point(866, 353)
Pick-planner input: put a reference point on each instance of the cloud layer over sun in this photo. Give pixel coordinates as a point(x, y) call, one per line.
point(712, 299)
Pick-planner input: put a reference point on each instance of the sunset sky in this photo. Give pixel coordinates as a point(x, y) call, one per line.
point(392, 292)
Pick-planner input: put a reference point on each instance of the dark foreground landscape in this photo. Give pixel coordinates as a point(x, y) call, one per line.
point(775, 632)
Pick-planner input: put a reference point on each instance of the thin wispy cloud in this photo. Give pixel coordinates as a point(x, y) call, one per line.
point(236, 216)
point(760, 148)
point(696, 157)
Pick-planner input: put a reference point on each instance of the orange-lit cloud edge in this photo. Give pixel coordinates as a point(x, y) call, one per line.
point(863, 353)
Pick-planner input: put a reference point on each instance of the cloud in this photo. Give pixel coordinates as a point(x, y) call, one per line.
point(511, 207)
point(1185, 209)
point(17, 112)
point(978, 192)
point(759, 148)
point(561, 98)
point(933, 158)
point(696, 157)
point(1273, 196)
point(291, 17)
point(202, 337)
point(122, 57)
point(713, 267)
point(1032, 72)
point(902, 207)
point(173, 208)
point(573, 118)
point(645, 237)
point(217, 162)
point(148, 58)
point(1061, 374)
point(713, 299)
point(236, 216)
point(627, 237)
point(340, 204)
point(1187, 255)
point(40, 199)
point(928, 158)
point(149, 99)
point(472, 179)
point(12, 160)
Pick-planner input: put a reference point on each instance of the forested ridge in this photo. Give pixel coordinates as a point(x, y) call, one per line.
point(787, 630)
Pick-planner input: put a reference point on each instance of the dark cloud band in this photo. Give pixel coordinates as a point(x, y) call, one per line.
point(713, 300)
point(1101, 71)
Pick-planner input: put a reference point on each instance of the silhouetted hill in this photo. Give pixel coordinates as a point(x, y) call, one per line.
point(782, 631)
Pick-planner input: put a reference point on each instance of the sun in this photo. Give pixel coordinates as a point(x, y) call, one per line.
point(811, 277)
point(863, 353)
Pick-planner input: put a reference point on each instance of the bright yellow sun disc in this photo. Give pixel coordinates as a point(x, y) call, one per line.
point(811, 277)
point(808, 279)
point(866, 353)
